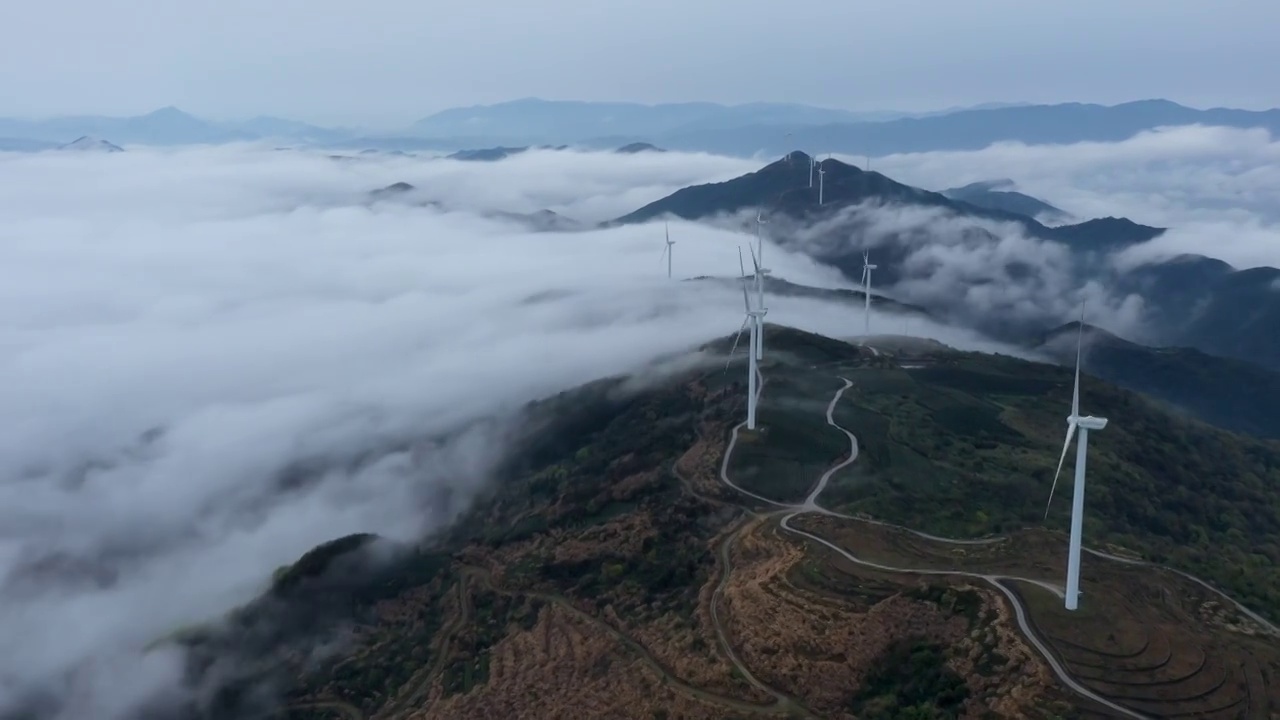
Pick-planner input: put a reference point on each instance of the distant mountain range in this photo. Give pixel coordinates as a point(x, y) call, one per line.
point(1191, 301)
point(728, 129)
point(166, 126)
point(968, 129)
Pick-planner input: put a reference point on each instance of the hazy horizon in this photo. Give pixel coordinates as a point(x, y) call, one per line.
point(395, 62)
point(980, 104)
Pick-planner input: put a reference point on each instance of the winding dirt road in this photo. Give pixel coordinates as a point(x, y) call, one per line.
point(789, 511)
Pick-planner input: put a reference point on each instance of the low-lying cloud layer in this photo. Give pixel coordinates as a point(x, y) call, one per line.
point(197, 345)
point(1216, 188)
point(969, 272)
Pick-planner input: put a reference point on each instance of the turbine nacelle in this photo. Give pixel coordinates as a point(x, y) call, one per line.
point(1088, 422)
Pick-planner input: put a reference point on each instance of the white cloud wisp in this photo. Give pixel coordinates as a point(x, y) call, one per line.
point(183, 332)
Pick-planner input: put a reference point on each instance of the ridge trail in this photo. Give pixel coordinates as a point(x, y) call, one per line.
point(791, 510)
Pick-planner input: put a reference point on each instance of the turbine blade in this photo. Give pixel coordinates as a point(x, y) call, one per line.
point(1071, 431)
point(667, 228)
point(666, 249)
point(746, 300)
point(736, 338)
point(741, 267)
point(754, 263)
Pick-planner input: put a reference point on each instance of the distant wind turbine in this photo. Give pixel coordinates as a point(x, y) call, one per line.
point(1085, 424)
point(748, 323)
point(666, 251)
point(867, 267)
point(821, 172)
point(811, 164)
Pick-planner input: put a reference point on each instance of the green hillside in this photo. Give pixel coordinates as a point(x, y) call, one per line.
point(586, 522)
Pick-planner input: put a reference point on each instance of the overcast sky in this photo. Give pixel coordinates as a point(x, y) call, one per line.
point(388, 62)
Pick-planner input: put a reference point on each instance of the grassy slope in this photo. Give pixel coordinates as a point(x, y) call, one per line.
point(966, 446)
point(562, 477)
point(969, 446)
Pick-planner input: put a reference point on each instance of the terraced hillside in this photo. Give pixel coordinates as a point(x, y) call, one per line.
point(642, 555)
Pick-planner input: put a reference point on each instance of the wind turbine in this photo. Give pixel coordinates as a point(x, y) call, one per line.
point(748, 323)
point(811, 164)
point(1085, 424)
point(758, 259)
point(758, 346)
point(666, 251)
point(821, 172)
point(867, 267)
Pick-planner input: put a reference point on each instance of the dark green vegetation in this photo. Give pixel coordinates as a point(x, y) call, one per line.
point(488, 620)
point(585, 514)
point(1233, 394)
point(793, 444)
point(585, 457)
point(967, 446)
point(911, 682)
point(330, 589)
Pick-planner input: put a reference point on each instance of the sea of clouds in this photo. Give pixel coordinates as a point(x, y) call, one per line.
point(181, 330)
point(1216, 189)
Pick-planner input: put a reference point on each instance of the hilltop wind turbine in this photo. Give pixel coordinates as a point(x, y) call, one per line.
point(748, 323)
point(811, 163)
point(758, 346)
point(666, 251)
point(757, 258)
point(1085, 424)
point(821, 172)
point(867, 267)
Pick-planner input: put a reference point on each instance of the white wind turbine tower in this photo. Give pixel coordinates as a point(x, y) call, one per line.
point(821, 172)
point(867, 267)
point(1085, 424)
point(666, 251)
point(757, 258)
point(811, 163)
point(761, 310)
point(748, 323)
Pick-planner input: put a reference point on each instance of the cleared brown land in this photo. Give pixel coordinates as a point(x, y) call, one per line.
point(1143, 638)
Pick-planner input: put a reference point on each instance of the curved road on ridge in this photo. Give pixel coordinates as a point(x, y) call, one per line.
point(790, 511)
